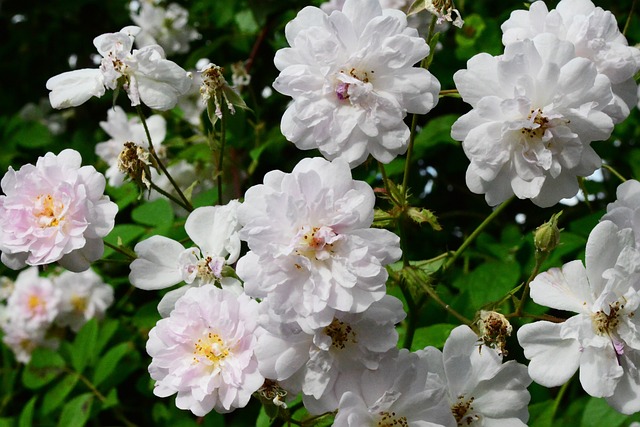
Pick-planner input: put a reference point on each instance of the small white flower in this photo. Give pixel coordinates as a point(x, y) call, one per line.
point(163, 262)
point(482, 391)
point(352, 80)
point(536, 109)
point(311, 249)
point(34, 302)
point(84, 296)
point(168, 27)
point(602, 340)
point(204, 351)
point(594, 33)
point(144, 74)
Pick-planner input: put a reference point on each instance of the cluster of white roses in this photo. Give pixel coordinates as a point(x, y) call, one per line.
point(564, 80)
point(37, 307)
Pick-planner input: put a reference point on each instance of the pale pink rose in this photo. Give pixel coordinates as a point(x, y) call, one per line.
point(54, 211)
point(204, 351)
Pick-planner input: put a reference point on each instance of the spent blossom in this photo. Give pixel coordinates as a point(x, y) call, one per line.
point(121, 130)
point(204, 351)
point(217, 93)
point(536, 109)
point(311, 249)
point(601, 340)
point(54, 211)
point(352, 80)
point(594, 33)
point(144, 74)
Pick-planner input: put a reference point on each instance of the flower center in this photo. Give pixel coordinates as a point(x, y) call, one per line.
point(352, 84)
point(211, 349)
point(391, 419)
point(462, 411)
point(539, 124)
point(35, 303)
point(315, 242)
point(208, 269)
point(47, 211)
point(606, 324)
point(340, 333)
point(79, 303)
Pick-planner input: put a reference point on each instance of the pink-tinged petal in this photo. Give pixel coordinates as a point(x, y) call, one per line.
point(157, 264)
point(75, 87)
point(553, 360)
point(564, 288)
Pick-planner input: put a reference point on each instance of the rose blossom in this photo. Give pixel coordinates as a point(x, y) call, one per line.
point(204, 351)
point(602, 339)
point(352, 80)
point(144, 74)
point(536, 109)
point(54, 211)
point(311, 249)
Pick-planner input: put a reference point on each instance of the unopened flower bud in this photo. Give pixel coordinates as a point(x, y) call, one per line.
point(547, 237)
point(494, 329)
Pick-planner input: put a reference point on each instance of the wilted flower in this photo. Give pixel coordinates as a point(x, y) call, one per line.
point(54, 211)
point(536, 109)
point(494, 330)
point(602, 339)
point(204, 351)
point(216, 91)
point(134, 162)
point(168, 27)
point(443, 10)
point(144, 74)
point(352, 80)
point(311, 249)
point(121, 130)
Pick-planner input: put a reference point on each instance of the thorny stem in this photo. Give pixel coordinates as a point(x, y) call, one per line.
point(223, 140)
point(385, 179)
point(497, 211)
point(414, 119)
point(118, 249)
point(186, 203)
point(434, 295)
point(614, 172)
point(626, 25)
point(540, 257)
point(171, 197)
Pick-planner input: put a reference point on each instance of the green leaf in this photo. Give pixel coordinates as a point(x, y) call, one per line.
point(109, 362)
point(26, 415)
point(56, 395)
point(490, 281)
point(32, 135)
point(155, 214)
point(598, 413)
point(434, 335)
point(44, 367)
point(436, 132)
point(123, 234)
point(108, 327)
point(76, 412)
point(541, 414)
point(83, 349)
point(421, 215)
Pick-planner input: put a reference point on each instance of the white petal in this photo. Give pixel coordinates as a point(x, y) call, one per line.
point(157, 264)
point(73, 88)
